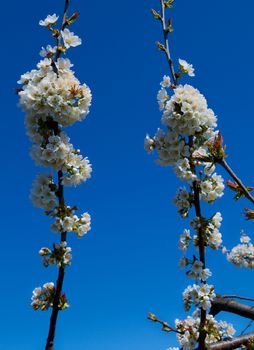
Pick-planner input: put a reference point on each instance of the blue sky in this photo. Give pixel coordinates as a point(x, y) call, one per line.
point(128, 264)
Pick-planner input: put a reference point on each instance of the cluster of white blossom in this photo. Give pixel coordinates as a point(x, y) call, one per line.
point(42, 297)
point(199, 295)
point(183, 201)
point(242, 255)
point(190, 128)
point(183, 170)
point(189, 331)
point(60, 155)
point(72, 223)
point(60, 255)
point(170, 147)
point(53, 98)
point(197, 271)
point(59, 95)
point(43, 193)
point(186, 112)
point(212, 188)
point(210, 229)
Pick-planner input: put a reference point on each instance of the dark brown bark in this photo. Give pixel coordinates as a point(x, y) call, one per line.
point(228, 305)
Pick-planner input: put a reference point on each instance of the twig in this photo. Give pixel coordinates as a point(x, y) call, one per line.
point(247, 327)
point(225, 165)
point(165, 325)
point(165, 34)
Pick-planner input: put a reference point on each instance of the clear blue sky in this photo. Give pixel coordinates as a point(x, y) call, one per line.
point(128, 264)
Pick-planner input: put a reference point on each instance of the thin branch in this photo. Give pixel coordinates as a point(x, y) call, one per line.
point(166, 43)
point(225, 165)
point(237, 297)
point(165, 326)
point(232, 343)
point(247, 327)
point(61, 201)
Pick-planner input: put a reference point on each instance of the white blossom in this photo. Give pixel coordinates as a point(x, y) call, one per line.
point(186, 67)
point(189, 331)
point(198, 272)
point(166, 82)
point(49, 20)
point(199, 295)
point(42, 297)
point(212, 188)
point(185, 240)
point(186, 112)
point(242, 255)
point(182, 201)
point(61, 97)
point(60, 255)
point(70, 39)
point(43, 193)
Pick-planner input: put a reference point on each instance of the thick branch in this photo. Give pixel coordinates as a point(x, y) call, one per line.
point(232, 343)
point(225, 165)
point(221, 304)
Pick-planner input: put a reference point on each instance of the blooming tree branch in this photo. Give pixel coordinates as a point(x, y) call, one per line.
point(53, 98)
point(191, 144)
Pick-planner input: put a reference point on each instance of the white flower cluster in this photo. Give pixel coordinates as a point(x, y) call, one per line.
point(72, 223)
point(197, 271)
point(183, 170)
point(42, 297)
point(60, 96)
point(169, 146)
point(186, 116)
point(187, 113)
point(43, 193)
point(50, 99)
point(212, 235)
point(199, 295)
point(60, 255)
point(243, 254)
point(60, 155)
point(212, 188)
point(183, 201)
point(189, 331)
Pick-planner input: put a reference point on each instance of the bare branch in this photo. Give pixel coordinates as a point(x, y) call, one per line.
point(247, 194)
point(166, 43)
point(222, 304)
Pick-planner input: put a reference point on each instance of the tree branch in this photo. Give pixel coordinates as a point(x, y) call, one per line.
point(61, 202)
point(232, 343)
point(220, 304)
point(225, 165)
